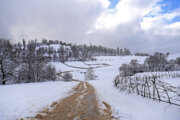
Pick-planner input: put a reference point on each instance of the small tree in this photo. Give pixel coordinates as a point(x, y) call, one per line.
point(178, 60)
point(90, 74)
point(50, 73)
point(67, 77)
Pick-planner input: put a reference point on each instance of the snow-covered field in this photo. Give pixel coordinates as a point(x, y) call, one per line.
point(26, 99)
point(131, 107)
point(173, 56)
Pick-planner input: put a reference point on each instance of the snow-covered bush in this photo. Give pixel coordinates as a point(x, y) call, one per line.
point(130, 69)
point(178, 91)
point(50, 73)
point(67, 77)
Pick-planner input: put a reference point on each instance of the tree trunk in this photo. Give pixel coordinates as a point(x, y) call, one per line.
point(3, 74)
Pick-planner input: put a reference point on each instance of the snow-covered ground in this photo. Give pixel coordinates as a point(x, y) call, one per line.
point(173, 56)
point(127, 107)
point(25, 100)
point(130, 107)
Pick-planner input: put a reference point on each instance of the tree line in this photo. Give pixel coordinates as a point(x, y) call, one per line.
point(156, 62)
point(28, 61)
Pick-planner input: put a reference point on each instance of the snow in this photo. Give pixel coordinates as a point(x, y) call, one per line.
point(173, 56)
point(133, 107)
point(130, 106)
point(173, 81)
point(62, 67)
point(25, 100)
point(77, 64)
point(77, 73)
point(117, 60)
point(126, 106)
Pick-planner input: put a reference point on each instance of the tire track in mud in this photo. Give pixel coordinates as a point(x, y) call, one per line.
point(81, 105)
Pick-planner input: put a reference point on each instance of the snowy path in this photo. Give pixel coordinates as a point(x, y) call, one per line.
point(81, 105)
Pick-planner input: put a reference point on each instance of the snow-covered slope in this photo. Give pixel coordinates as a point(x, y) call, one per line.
point(25, 100)
point(130, 107)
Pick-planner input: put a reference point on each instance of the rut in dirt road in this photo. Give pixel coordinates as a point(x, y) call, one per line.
point(82, 105)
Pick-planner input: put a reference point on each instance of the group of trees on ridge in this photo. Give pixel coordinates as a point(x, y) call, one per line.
point(153, 63)
point(27, 62)
point(151, 84)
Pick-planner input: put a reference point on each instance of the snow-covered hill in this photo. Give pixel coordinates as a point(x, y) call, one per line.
point(22, 100)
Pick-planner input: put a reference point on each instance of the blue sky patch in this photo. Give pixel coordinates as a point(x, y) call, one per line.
point(169, 5)
point(113, 3)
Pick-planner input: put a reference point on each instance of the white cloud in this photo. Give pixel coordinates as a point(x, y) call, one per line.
point(105, 3)
point(125, 11)
point(158, 20)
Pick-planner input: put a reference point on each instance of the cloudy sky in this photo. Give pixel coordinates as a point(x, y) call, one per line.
point(140, 25)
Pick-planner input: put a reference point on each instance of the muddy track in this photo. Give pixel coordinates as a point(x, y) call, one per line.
point(81, 105)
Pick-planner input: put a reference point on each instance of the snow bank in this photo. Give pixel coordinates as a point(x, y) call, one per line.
point(25, 100)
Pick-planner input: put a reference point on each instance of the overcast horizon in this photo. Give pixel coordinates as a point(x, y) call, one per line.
point(140, 25)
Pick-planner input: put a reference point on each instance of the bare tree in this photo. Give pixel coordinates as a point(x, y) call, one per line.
point(7, 64)
point(90, 74)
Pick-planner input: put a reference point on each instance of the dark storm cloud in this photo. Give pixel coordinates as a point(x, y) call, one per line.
point(67, 20)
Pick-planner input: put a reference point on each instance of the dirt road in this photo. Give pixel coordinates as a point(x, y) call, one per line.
point(81, 105)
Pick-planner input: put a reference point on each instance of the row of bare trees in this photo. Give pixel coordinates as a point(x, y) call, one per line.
point(153, 63)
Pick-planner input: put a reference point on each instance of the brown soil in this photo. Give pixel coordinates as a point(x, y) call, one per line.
point(82, 105)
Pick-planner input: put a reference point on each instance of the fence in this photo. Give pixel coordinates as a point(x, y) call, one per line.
point(151, 87)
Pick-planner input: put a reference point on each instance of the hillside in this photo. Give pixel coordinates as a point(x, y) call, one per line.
point(123, 105)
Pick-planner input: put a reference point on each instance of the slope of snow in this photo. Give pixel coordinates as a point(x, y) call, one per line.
point(25, 100)
point(130, 107)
